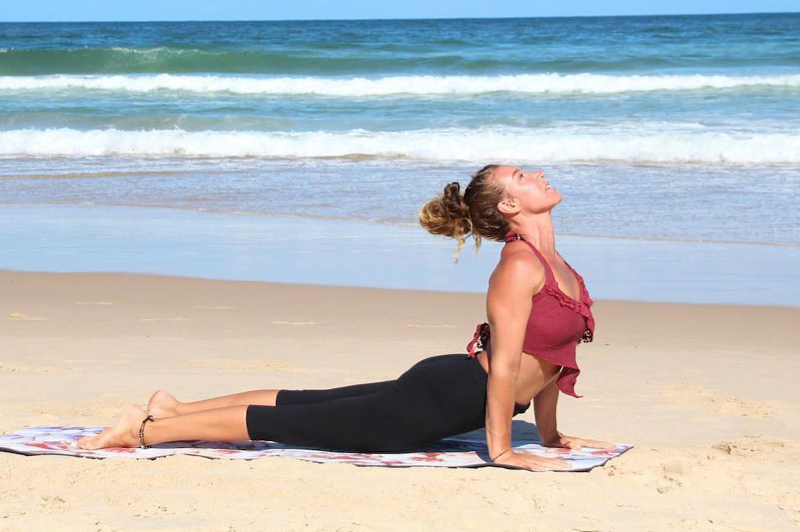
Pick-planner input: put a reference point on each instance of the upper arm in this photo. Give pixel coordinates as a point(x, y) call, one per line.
point(508, 304)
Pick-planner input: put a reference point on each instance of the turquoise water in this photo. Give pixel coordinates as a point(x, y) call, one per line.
point(667, 127)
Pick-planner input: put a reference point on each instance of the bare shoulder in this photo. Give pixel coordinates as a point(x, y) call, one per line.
point(519, 269)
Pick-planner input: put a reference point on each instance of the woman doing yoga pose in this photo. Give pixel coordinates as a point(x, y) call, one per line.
point(538, 310)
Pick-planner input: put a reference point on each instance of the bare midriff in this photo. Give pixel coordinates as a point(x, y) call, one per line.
point(534, 374)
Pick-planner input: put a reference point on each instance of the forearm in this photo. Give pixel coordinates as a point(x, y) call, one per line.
point(544, 409)
point(499, 410)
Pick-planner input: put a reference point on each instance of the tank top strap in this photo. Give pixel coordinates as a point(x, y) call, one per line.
point(548, 272)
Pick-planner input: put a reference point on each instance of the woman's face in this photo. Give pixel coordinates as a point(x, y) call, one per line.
point(526, 191)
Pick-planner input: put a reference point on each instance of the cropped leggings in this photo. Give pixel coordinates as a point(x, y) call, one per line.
point(437, 397)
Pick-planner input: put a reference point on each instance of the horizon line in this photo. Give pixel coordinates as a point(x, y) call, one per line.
point(406, 19)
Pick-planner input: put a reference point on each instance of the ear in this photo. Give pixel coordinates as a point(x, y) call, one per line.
point(508, 206)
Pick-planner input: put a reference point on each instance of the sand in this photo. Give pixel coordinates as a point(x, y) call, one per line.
point(706, 393)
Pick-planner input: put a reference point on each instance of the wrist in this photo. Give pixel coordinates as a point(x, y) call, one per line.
point(550, 437)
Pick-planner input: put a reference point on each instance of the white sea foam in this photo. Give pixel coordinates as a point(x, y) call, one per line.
point(396, 85)
point(640, 144)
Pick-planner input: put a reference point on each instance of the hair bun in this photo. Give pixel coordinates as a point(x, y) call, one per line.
point(474, 213)
point(448, 215)
point(452, 199)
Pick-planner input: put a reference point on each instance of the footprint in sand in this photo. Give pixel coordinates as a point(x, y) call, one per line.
point(28, 368)
point(17, 316)
point(240, 364)
point(718, 403)
point(164, 319)
point(282, 322)
point(750, 446)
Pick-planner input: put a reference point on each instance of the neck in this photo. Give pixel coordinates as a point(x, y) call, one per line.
point(538, 230)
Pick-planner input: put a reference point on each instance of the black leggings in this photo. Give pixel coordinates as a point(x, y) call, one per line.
point(437, 397)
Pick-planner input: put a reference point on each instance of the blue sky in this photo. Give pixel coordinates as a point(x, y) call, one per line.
point(74, 10)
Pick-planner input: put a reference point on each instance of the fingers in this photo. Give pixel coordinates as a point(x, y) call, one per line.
point(561, 464)
point(537, 463)
point(556, 465)
point(595, 444)
point(598, 444)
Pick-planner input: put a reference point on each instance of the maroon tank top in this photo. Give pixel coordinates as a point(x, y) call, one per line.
point(556, 325)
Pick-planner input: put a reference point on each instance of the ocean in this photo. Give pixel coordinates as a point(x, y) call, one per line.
point(655, 128)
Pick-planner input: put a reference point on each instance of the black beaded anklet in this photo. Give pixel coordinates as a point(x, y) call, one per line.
point(499, 455)
point(141, 432)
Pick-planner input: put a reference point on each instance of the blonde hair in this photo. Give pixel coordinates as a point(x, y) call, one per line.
point(475, 212)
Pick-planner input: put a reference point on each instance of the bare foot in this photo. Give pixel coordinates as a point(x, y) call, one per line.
point(124, 434)
point(162, 404)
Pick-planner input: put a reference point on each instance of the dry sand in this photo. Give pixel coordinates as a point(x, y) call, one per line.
point(707, 393)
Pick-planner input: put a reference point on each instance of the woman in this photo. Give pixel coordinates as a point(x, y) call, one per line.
point(538, 311)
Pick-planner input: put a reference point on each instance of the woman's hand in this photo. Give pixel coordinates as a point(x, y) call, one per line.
point(531, 461)
point(572, 442)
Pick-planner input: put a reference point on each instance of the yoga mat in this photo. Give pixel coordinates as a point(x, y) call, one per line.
point(449, 452)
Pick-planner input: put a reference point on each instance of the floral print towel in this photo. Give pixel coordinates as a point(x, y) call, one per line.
point(450, 452)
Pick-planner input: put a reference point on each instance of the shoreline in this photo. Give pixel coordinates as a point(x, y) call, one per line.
point(311, 286)
point(350, 253)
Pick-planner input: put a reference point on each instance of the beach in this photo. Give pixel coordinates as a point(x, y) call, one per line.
point(704, 392)
point(214, 207)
